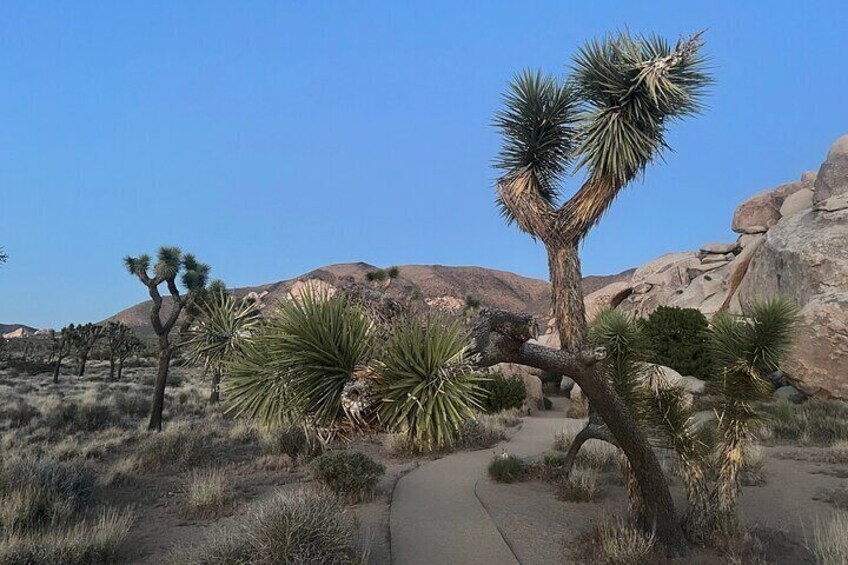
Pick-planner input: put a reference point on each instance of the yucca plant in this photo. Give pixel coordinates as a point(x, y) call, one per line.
point(300, 362)
point(746, 350)
point(427, 383)
point(219, 333)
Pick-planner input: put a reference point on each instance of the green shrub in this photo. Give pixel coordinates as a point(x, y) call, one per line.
point(503, 393)
point(350, 474)
point(678, 339)
point(305, 526)
point(505, 469)
point(376, 275)
point(393, 272)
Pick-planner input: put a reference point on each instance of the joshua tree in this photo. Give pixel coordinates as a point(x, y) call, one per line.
point(608, 119)
point(219, 333)
point(3, 256)
point(171, 263)
point(121, 343)
point(62, 347)
point(86, 336)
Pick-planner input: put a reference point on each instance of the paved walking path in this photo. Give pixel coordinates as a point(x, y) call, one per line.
point(436, 517)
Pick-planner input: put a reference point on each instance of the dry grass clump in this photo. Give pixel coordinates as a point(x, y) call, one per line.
point(181, 446)
point(43, 504)
point(305, 526)
point(16, 413)
point(838, 452)
point(505, 418)
point(36, 492)
point(594, 453)
point(617, 543)
point(830, 541)
point(291, 441)
point(815, 422)
point(581, 485)
point(208, 494)
point(89, 542)
point(578, 408)
point(480, 432)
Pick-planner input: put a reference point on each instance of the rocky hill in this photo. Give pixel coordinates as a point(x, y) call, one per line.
point(793, 241)
point(10, 331)
point(439, 286)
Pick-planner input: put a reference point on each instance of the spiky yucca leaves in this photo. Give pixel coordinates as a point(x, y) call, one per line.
point(661, 407)
point(634, 86)
point(746, 350)
point(219, 332)
point(224, 325)
point(538, 129)
point(427, 382)
point(301, 360)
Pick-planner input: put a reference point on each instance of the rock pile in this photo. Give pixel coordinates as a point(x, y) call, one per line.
point(793, 241)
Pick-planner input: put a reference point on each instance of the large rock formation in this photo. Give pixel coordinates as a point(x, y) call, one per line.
point(793, 242)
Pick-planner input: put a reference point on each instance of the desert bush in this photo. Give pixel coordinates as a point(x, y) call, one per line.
point(89, 542)
point(350, 474)
point(578, 408)
point(305, 526)
point(580, 485)
point(753, 473)
point(502, 393)
point(291, 441)
point(70, 417)
point(480, 433)
point(17, 413)
point(376, 275)
point(619, 543)
point(838, 452)
point(37, 492)
point(428, 386)
point(816, 421)
point(178, 447)
point(830, 541)
point(678, 339)
point(505, 468)
point(208, 494)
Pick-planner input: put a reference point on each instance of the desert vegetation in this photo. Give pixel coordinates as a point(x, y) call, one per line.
point(269, 432)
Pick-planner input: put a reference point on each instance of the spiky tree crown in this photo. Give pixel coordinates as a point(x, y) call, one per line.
point(609, 118)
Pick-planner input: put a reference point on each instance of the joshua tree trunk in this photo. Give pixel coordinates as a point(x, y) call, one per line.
point(501, 337)
point(56, 368)
point(111, 368)
point(165, 353)
point(215, 395)
point(120, 367)
point(82, 361)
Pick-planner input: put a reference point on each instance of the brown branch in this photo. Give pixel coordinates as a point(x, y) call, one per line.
point(502, 337)
point(520, 195)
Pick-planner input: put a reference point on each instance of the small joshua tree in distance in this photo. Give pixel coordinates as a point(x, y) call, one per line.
point(171, 263)
point(121, 343)
point(62, 347)
point(84, 340)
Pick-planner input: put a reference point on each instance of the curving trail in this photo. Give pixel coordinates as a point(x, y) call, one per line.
point(436, 517)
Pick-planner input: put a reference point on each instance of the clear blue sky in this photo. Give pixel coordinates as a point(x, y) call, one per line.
point(273, 138)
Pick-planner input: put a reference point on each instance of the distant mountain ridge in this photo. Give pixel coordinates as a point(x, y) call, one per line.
point(435, 283)
point(10, 328)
